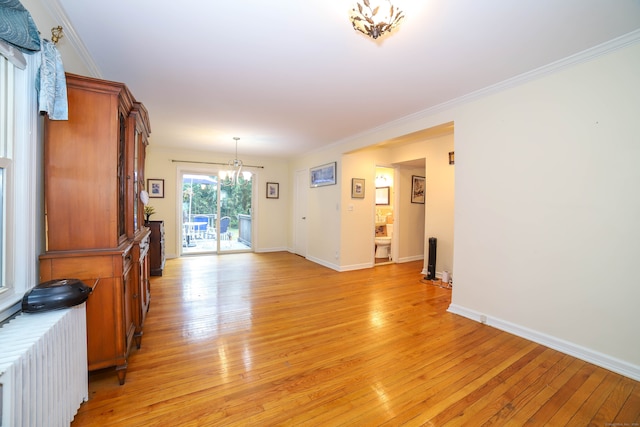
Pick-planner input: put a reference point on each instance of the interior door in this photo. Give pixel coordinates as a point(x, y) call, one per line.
point(300, 212)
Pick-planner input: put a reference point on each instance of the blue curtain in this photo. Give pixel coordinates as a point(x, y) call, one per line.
point(17, 26)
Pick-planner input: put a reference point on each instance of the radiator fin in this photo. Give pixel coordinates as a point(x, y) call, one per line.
point(43, 368)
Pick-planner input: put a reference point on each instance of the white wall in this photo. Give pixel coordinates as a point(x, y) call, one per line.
point(358, 215)
point(271, 216)
point(410, 218)
point(440, 200)
point(547, 224)
point(324, 207)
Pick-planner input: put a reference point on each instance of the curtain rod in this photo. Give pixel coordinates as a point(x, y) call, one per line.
point(214, 163)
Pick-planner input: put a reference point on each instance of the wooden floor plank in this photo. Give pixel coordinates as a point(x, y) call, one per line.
point(581, 406)
point(273, 339)
point(486, 395)
point(627, 408)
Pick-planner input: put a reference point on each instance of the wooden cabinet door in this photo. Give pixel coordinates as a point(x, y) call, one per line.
point(102, 325)
point(142, 287)
point(130, 302)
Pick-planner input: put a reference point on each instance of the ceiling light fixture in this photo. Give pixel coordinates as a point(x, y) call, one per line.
point(381, 181)
point(232, 177)
point(375, 17)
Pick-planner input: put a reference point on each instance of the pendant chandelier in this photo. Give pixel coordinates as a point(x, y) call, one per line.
point(235, 175)
point(375, 17)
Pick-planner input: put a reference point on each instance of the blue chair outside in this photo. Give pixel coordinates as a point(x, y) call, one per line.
point(224, 226)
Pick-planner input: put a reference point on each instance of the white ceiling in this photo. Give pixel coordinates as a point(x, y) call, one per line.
point(290, 76)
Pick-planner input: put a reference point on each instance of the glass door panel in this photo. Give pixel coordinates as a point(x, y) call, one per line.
point(199, 213)
point(216, 214)
point(235, 214)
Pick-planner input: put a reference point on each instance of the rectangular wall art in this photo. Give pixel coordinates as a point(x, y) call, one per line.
point(323, 175)
point(357, 188)
point(417, 189)
point(155, 187)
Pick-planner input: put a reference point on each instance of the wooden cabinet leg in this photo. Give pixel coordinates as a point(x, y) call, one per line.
point(138, 338)
point(121, 371)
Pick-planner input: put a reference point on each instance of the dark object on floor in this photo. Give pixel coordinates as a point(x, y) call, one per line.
point(431, 266)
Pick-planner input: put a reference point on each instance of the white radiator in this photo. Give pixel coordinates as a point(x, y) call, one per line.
point(43, 368)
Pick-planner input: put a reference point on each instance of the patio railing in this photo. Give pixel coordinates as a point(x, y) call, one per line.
point(244, 229)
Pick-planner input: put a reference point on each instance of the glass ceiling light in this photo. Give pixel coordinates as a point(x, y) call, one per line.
point(232, 177)
point(381, 181)
point(375, 17)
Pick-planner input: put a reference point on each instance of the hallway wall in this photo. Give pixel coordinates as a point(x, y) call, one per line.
point(438, 211)
point(546, 220)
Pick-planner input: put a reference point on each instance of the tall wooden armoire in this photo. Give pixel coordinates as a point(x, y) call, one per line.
point(93, 175)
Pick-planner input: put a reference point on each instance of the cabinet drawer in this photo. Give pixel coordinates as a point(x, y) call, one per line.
point(68, 268)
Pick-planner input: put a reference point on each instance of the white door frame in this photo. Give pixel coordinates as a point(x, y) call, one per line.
point(300, 212)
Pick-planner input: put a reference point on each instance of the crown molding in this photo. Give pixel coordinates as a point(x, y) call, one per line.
point(578, 58)
point(57, 12)
point(554, 67)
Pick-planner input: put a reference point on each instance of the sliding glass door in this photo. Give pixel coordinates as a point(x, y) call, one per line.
point(216, 213)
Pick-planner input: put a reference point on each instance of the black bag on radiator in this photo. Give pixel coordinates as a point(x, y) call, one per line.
point(55, 295)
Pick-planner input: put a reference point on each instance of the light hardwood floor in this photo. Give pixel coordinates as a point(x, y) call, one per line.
point(273, 339)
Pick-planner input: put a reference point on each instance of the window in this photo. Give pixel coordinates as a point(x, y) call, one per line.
point(18, 200)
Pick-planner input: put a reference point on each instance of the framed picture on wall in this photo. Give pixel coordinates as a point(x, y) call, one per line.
point(323, 175)
point(417, 189)
point(155, 187)
point(273, 190)
point(382, 195)
point(357, 188)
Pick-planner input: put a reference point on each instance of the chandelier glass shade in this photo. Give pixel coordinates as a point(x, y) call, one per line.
point(235, 175)
point(375, 17)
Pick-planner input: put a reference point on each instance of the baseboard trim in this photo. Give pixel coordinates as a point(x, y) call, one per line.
point(353, 267)
point(265, 250)
point(604, 361)
point(324, 263)
point(410, 258)
point(425, 272)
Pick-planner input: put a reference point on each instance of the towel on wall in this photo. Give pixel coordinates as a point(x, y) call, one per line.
point(52, 84)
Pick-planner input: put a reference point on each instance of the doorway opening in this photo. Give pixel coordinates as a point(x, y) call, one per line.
point(384, 215)
point(216, 213)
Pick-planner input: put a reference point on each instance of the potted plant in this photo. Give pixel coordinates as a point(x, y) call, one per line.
point(148, 211)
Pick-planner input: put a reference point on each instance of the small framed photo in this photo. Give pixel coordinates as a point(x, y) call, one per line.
point(323, 175)
point(273, 190)
point(417, 189)
point(357, 188)
point(155, 187)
